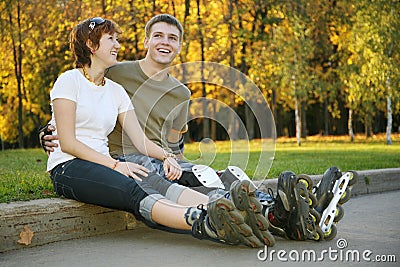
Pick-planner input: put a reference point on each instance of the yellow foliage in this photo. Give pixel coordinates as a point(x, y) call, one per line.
point(349, 61)
point(282, 46)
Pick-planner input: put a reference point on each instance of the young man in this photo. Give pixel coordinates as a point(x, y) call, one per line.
point(161, 105)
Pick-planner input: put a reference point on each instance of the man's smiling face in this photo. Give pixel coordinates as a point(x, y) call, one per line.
point(163, 43)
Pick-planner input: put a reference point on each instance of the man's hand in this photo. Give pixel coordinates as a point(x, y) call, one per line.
point(46, 138)
point(172, 169)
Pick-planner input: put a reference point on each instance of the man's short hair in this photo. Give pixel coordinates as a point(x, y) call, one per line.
point(169, 19)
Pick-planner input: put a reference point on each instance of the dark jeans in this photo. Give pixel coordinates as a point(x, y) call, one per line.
point(93, 183)
point(188, 179)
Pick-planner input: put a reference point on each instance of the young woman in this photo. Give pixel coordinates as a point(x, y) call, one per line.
point(86, 106)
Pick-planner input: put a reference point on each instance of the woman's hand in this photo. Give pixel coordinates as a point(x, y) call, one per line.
point(132, 127)
point(172, 169)
point(130, 169)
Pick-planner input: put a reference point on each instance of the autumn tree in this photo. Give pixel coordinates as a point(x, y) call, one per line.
point(331, 60)
point(371, 65)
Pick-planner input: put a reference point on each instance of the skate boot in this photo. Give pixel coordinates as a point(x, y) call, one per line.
point(243, 196)
point(221, 222)
point(293, 216)
point(233, 174)
point(332, 191)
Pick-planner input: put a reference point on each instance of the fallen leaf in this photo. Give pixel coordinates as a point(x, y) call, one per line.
point(46, 192)
point(26, 236)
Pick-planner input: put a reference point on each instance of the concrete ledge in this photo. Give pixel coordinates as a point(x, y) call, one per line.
point(369, 181)
point(376, 181)
point(57, 219)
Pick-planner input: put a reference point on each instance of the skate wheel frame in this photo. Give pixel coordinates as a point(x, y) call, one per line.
point(329, 214)
point(302, 194)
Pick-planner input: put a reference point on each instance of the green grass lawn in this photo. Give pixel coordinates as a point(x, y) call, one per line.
point(312, 157)
point(23, 176)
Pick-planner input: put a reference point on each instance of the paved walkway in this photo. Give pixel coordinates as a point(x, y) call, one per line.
point(370, 228)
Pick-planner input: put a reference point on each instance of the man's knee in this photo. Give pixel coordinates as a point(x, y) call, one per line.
point(174, 192)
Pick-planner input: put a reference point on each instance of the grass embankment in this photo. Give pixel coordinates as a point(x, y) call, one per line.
point(23, 177)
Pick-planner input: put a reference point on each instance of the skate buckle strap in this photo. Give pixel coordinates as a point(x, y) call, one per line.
point(241, 175)
point(207, 176)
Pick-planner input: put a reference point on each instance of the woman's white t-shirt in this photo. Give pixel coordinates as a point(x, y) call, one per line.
point(97, 108)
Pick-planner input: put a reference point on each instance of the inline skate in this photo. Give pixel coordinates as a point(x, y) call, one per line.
point(292, 215)
point(221, 222)
point(242, 193)
point(331, 192)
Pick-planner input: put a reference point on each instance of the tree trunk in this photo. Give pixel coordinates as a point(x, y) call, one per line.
point(389, 121)
point(389, 100)
point(206, 126)
point(297, 119)
point(367, 126)
point(296, 105)
point(213, 122)
point(185, 48)
point(350, 125)
point(326, 117)
point(303, 119)
point(249, 120)
point(17, 53)
point(249, 113)
point(233, 123)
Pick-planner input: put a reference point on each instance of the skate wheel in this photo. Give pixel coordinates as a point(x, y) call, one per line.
point(354, 178)
point(235, 217)
point(316, 216)
point(312, 200)
point(263, 223)
point(245, 230)
point(339, 213)
point(331, 233)
point(253, 242)
point(269, 239)
point(255, 205)
point(305, 179)
point(319, 236)
point(345, 197)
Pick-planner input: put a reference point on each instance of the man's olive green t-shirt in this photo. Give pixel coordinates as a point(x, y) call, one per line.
point(159, 105)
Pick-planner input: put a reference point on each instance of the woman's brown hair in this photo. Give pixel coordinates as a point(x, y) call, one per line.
point(92, 30)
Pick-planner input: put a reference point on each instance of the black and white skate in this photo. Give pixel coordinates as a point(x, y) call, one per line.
point(332, 191)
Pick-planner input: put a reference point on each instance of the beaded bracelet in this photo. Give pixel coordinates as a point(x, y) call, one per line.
point(115, 164)
point(169, 155)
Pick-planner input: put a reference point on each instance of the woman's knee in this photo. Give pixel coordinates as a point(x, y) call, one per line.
point(147, 204)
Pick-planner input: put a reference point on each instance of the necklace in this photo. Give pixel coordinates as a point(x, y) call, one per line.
point(103, 82)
